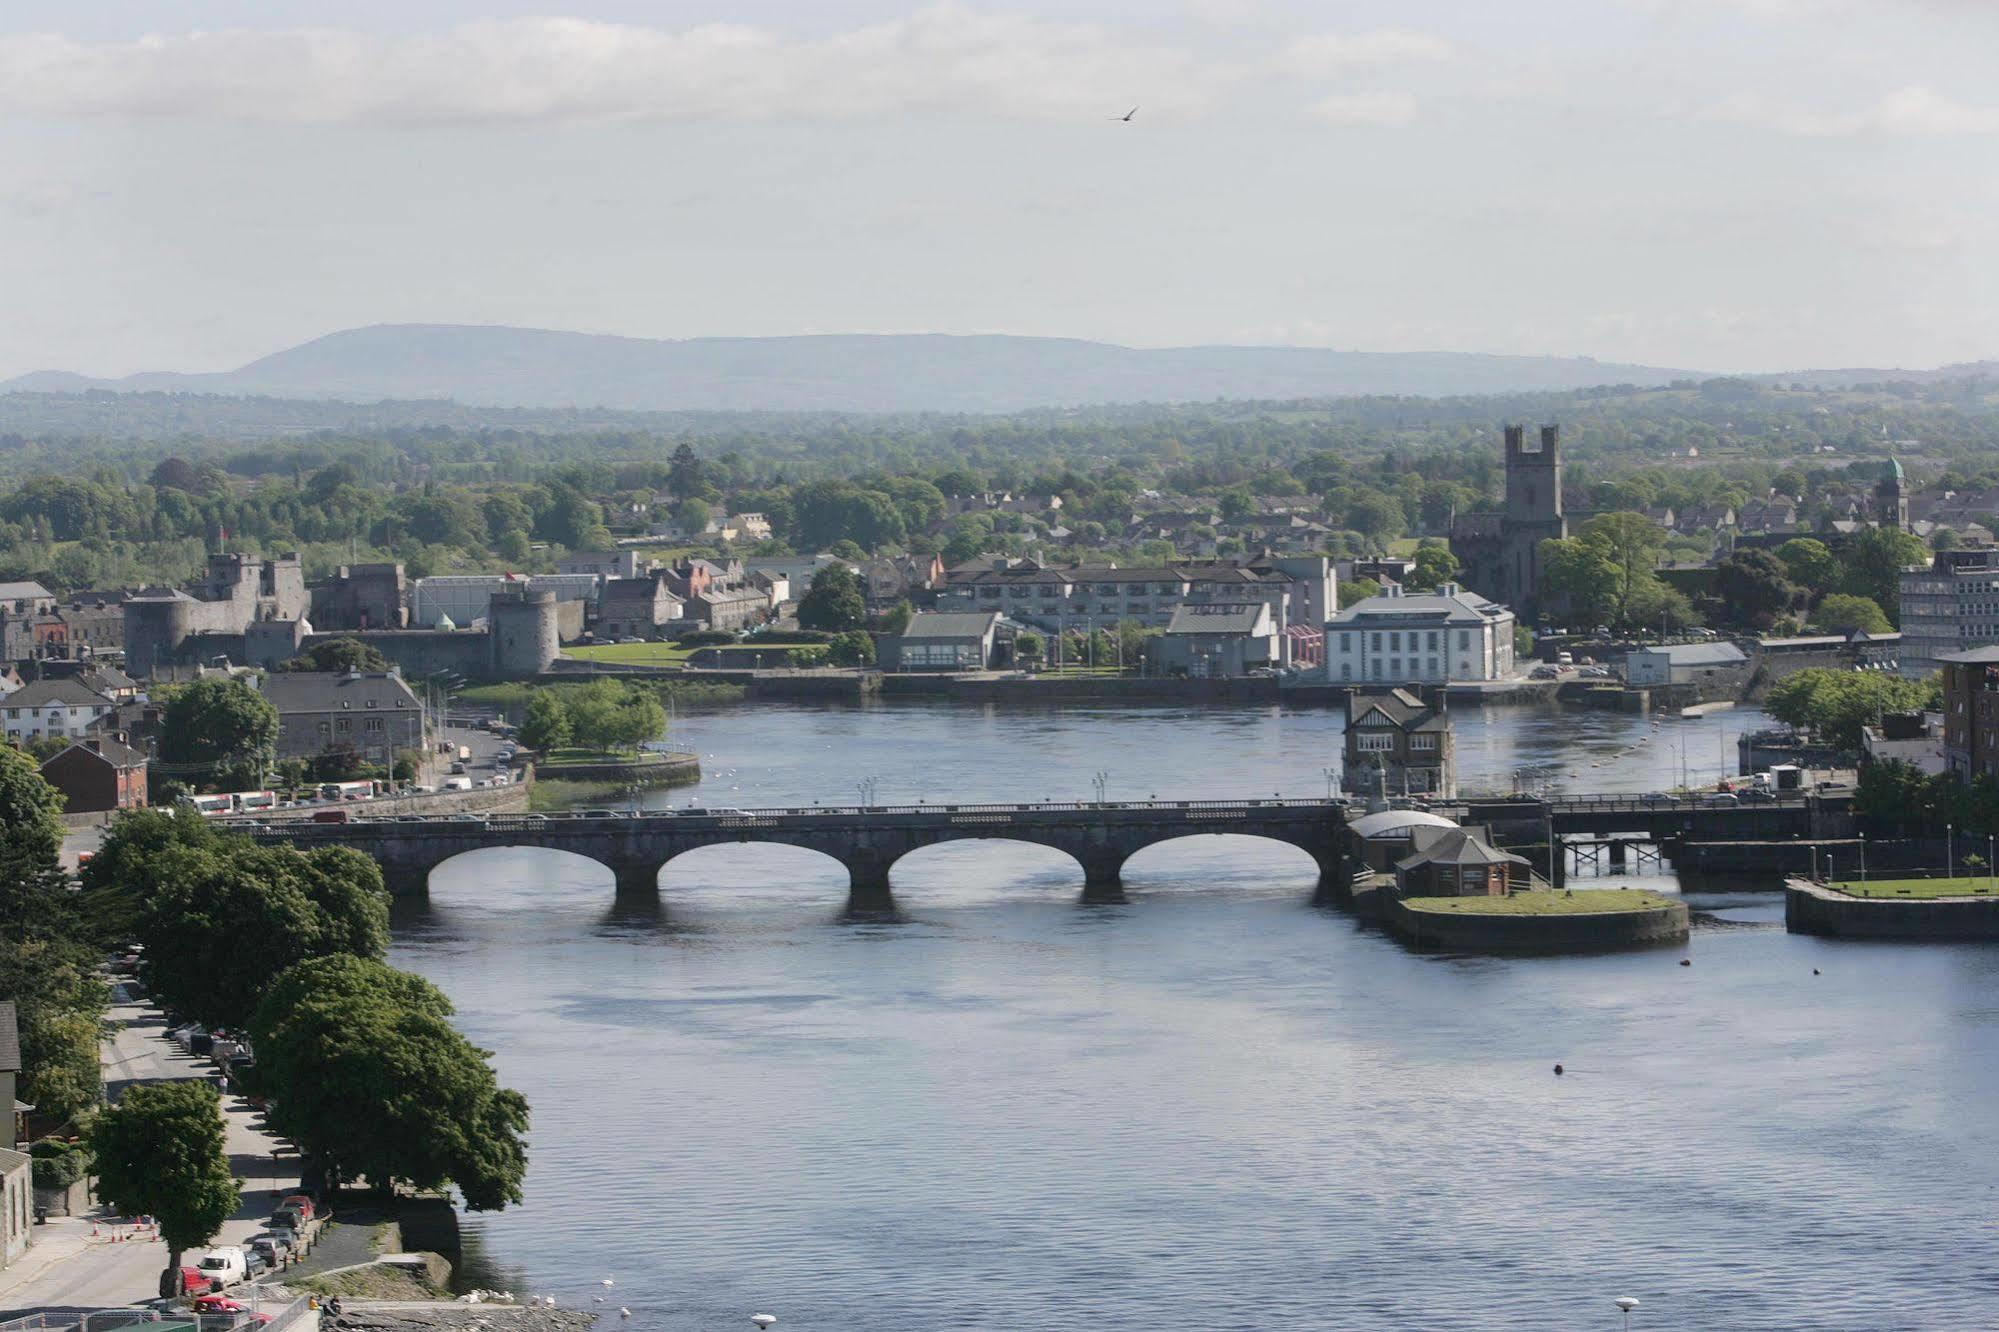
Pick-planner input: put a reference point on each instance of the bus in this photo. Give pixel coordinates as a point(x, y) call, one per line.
point(349, 790)
point(248, 800)
point(210, 804)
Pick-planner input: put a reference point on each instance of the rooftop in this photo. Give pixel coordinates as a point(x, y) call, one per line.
point(1695, 654)
point(69, 693)
point(336, 691)
point(966, 624)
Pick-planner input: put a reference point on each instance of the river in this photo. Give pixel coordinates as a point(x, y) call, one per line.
point(1214, 1105)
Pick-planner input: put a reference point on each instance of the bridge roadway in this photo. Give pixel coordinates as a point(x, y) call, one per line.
point(1667, 818)
point(867, 840)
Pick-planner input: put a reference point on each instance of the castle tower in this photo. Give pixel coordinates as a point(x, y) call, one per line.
point(523, 630)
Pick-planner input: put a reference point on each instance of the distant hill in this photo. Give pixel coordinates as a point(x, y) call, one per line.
point(519, 367)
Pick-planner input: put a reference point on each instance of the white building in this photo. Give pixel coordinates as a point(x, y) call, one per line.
point(1682, 663)
point(62, 708)
point(1420, 638)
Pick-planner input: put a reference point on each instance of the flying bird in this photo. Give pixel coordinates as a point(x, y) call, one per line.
point(1126, 116)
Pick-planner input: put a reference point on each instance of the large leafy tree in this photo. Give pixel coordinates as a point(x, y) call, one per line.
point(546, 725)
point(1630, 543)
point(1873, 561)
point(219, 916)
point(1582, 576)
point(378, 1085)
point(159, 1152)
point(1810, 564)
point(219, 733)
point(1842, 611)
point(1754, 587)
point(1836, 704)
point(834, 601)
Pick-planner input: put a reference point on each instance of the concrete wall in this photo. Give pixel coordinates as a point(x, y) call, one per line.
point(1810, 909)
point(1528, 934)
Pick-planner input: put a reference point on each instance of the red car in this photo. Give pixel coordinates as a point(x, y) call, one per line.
point(222, 1304)
point(300, 1201)
point(193, 1281)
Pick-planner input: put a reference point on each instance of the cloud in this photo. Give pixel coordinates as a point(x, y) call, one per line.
point(1913, 110)
point(1338, 52)
point(1373, 110)
point(945, 58)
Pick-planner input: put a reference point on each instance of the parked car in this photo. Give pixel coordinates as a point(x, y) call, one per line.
point(254, 1263)
point(193, 1281)
point(274, 1245)
point(223, 1266)
point(1544, 673)
point(1721, 798)
point(301, 1201)
point(1757, 793)
point(330, 816)
point(288, 1218)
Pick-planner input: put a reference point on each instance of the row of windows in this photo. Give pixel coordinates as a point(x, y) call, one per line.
point(1426, 639)
point(1383, 742)
point(1394, 669)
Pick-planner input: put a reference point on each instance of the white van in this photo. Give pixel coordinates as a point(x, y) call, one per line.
point(224, 1266)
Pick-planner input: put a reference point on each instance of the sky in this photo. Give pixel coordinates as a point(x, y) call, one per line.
point(1716, 185)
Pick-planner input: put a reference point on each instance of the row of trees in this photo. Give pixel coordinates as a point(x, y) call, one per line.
point(364, 1071)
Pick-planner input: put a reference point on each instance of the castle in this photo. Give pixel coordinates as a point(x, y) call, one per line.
point(255, 611)
point(1501, 551)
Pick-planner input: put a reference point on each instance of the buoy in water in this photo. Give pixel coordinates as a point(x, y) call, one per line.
point(624, 1313)
point(1558, 1070)
point(763, 1320)
point(1686, 961)
point(1815, 971)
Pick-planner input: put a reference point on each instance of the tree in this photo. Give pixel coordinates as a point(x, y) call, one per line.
point(376, 1084)
point(159, 1152)
point(1873, 561)
point(1835, 705)
point(1843, 612)
point(338, 654)
point(613, 715)
point(220, 733)
point(855, 647)
point(546, 725)
point(692, 515)
point(175, 473)
point(898, 617)
point(687, 477)
point(219, 916)
point(1631, 543)
point(1580, 575)
point(48, 965)
point(1810, 564)
point(1357, 590)
point(1434, 565)
point(834, 600)
point(1027, 645)
point(1754, 587)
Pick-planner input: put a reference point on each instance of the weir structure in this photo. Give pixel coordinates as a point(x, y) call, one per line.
point(867, 840)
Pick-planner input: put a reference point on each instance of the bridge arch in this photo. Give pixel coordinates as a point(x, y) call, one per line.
point(458, 871)
point(1227, 852)
point(1029, 863)
point(750, 863)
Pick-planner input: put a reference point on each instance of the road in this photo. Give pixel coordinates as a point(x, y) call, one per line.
point(83, 1261)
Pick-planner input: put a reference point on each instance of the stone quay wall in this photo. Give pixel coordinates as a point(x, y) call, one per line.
point(1535, 934)
point(1810, 909)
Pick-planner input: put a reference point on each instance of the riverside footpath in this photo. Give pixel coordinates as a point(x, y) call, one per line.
point(99, 1260)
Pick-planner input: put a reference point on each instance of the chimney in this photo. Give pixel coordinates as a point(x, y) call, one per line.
point(94, 745)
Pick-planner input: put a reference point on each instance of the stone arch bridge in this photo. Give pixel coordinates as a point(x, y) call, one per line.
point(868, 840)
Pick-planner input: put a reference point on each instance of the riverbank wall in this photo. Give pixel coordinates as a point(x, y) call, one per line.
point(1577, 933)
point(671, 768)
point(1810, 909)
point(509, 799)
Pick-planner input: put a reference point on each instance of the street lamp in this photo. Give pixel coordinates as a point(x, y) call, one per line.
point(1100, 781)
point(1333, 782)
point(867, 787)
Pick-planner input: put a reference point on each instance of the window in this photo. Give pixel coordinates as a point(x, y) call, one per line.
point(1430, 640)
point(374, 724)
point(1346, 670)
point(1395, 667)
point(1423, 741)
point(1374, 742)
point(346, 726)
point(1464, 640)
point(371, 703)
point(1395, 641)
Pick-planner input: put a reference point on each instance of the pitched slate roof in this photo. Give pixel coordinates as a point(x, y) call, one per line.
point(69, 693)
point(1216, 618)
point(1456, 846)
point(114, 751)
point(336, 691)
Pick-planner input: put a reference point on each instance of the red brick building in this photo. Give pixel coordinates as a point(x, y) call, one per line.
point(1971, 712)
point(97, 774)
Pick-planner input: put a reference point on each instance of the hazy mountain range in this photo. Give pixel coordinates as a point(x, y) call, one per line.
point(539, 368)
point(519, 367)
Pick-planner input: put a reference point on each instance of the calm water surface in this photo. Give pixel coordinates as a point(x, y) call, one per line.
point(1214, 1106)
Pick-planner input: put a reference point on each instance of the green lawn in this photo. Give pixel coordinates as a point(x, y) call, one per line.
point(576, 755)
point(1979, 885)
point(632, 654)
point(1589, 901)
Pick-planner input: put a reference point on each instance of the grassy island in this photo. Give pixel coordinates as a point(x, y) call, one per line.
point(1979, 885)
point(1587, 902)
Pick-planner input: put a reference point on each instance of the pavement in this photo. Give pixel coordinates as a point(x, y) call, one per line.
point(102, 1260)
